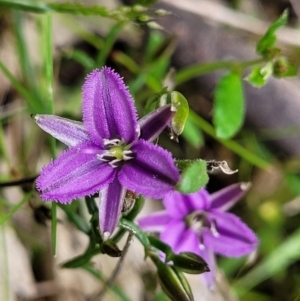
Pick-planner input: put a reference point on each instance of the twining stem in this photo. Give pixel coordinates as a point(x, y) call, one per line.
point(230, 144)
point(111, 279)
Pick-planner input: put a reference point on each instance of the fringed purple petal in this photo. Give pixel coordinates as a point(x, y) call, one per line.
point(67, 131)
point(110, 206)
point(152, 124)
point(234, 238)
point(108, 109)
point(73, 174)
point(179, 205)
point(151, 173)
point(225, 198)
point(173, 233)
point(155, 222)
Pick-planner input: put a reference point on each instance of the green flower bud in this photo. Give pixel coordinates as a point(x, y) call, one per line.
point(172, 281)
point(181, 107)
point(282, 68)
point(190, 263)
point(110, 248)
point(162, 12)
point(144, 18)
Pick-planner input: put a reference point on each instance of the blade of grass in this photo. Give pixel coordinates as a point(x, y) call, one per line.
point(46, 41)
point(4, 265)
point(282, 257)
point(20, 88)
point(16, 207)
point(3, 152)
point(82, 32)
point(24, 58)
point(108, 44)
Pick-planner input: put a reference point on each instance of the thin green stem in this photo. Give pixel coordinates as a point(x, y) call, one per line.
point(197, 70)
point(96, 273)
point(111, 279)
point(138, 205)
point(230, 144)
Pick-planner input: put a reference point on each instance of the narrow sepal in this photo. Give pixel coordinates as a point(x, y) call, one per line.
point(152, 124)
point(108, 109)
point(151, 173)
point(225, 198)
point(110, 206)
point(67, 131)
point(73, 174)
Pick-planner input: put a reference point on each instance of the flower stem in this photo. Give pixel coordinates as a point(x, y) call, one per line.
point(230, 144)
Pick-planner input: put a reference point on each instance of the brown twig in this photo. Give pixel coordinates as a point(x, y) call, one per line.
point(110, 281)
point(19, 182)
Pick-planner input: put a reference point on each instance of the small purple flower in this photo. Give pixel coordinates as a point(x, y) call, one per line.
point(198, 223)
point(109, 152)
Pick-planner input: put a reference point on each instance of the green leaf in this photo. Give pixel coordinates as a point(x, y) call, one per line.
point(279, 260)
point(81, 260)
point(255, 78)
point(193, 177)
point(291, 71)
point(228, 106)
point(269, 38)
point(259, 76)
point(282, 68)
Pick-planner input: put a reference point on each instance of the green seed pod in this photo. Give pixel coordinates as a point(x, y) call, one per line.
point(181, 107)
point(110, 248)
point(172, 281)
point(190, 263)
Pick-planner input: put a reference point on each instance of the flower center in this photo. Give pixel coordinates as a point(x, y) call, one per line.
point(201, 222)
point(116, 152)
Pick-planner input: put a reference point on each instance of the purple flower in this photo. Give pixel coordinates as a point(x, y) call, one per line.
point(198, 223)
point(109, 152)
